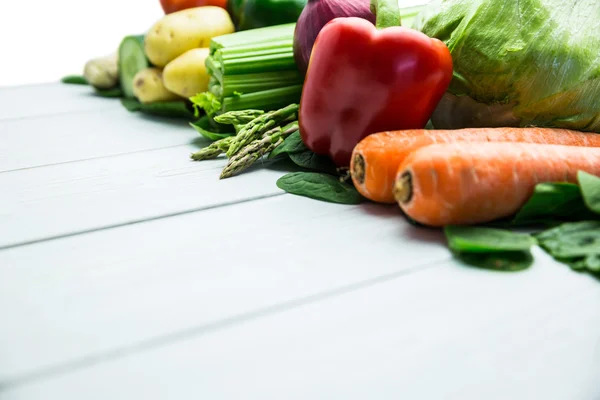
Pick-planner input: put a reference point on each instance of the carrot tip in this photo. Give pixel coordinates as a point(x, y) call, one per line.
point(358, 169)
point(403, 190)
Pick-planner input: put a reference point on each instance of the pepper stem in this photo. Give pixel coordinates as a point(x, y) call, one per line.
point(387, 13)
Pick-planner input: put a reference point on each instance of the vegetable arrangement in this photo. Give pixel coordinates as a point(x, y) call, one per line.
point(462, 126)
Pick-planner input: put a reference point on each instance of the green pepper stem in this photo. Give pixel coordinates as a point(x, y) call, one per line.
point(387, 13)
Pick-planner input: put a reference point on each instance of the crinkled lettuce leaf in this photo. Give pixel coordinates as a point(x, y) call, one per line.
point(536, 61)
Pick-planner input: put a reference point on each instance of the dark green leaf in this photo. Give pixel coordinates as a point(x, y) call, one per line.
point(590, 188)
point(74, 80)
point(553, 202)
point(590, 263)
point(593, 263)
point(309, 160)
point(292, 144)
point(571, 240)
point(474, 239)
point(212, 131)
point(131, 104)
point(320, 187)
point(500, 261)
point(114, 92)
point(172, 109)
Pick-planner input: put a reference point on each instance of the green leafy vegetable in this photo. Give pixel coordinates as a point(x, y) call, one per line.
point(292, 145)
point(309, 160)
point(571, 240)
point(212, 131)
point(74, 80)
point(114, 92)
point(172, 109)
point(576, 244)
point(475, 239)
point(501, 261)
point(527, 62)
point(490, 248)
point(590, 263)
point(552, 203)
point(320, 187)
point(590, 188)
point(205, 101)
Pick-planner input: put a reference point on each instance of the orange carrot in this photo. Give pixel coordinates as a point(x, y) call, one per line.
point(376, 158)
point(470, 183)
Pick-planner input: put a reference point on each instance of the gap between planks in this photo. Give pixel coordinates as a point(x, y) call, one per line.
point(213, 327)
point(127, 153)
point(139, 221)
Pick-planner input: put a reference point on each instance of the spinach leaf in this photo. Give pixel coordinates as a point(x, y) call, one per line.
point(552, 202)
point(474, 239)
point(292, 144)
point(590, 263)
point(490, 248)
point(309, 160)
point(571, 240)
point(173, 109)
point(590, 188)
point(500, 261)
point(212, 131)
point(320, 187)
point(74, 80)
point(575, 244)
point(114, 92)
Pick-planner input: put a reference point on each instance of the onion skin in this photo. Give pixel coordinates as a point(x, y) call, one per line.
point(315, 15)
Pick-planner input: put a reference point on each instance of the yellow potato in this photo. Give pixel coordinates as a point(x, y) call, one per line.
point(102, 72)
point(178, 32)
point(148, 87)
point(186, 75)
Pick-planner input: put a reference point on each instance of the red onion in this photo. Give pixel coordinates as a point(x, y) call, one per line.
point(315, 15)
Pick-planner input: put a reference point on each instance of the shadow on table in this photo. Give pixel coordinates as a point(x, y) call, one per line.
point(200, 142)
point(407, 229)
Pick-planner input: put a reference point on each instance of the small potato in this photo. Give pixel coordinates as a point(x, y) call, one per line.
point(186, 75)
point(102, 72)
point(148, 87)
point(192, 28)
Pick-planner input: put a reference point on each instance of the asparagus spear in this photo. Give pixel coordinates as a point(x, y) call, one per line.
point(214, 150)
point(238, 117)
point(258, 126)
point(256, 149)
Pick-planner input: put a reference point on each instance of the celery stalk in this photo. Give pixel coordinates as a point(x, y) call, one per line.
point(255, 48)
point(252, 69)
point(260, 63)
point(251, 83)
point(261, 35)
point(264, 100)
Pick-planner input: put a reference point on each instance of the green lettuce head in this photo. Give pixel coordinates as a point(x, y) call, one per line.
point(519, 62)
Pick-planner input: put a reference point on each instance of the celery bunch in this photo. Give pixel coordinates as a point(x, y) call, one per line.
point(252, 69)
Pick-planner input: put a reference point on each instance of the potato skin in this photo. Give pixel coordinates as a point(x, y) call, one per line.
point(102, 72)
point(186, 75)
point(148, 87)
point(176, 33)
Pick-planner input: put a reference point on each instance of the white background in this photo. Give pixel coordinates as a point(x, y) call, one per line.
point(43, 40)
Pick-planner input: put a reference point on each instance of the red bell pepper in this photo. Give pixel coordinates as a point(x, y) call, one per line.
point(364, 79)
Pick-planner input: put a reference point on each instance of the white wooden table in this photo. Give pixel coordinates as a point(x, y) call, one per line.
point(129, 272)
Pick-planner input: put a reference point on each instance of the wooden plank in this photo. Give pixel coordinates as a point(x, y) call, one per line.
point(70, 301)
point(64, 199)
point(29, 143)
point(47, 99)
point(450, 332)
